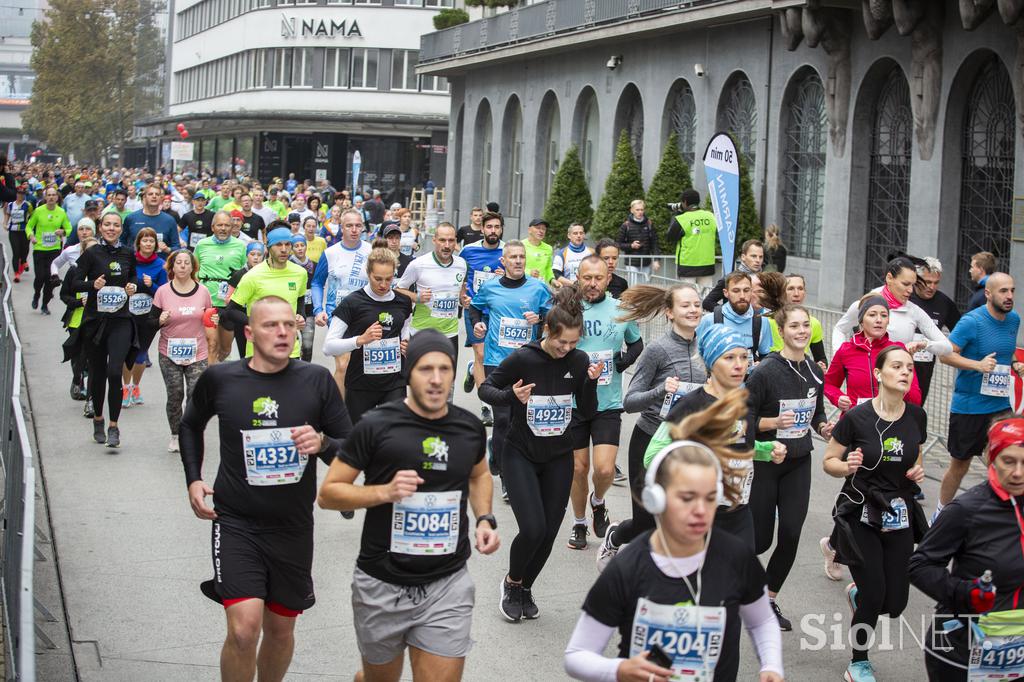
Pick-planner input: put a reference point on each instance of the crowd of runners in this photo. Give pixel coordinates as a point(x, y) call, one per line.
point(719, 463)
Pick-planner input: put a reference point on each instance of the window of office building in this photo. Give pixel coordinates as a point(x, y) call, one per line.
point(433, 84)
point(803, 167)
point(336, 67)
point(364, 67)
point(303, 64)
point(888, 175)
point(283, 68)
point(403, 69)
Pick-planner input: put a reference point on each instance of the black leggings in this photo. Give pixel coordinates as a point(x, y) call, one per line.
point(642, 521)
point(359, 401)
point(883, 586)
point(41, 281)
point(787, 488)
point(502, 418)
point(107, 355)
point(79, 363)
point(19, 249)
point(736, 521)
point(538, 494)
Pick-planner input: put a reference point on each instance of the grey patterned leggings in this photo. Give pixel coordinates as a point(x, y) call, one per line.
point(179, 380)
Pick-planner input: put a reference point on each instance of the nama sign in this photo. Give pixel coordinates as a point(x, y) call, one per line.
point(291, 27)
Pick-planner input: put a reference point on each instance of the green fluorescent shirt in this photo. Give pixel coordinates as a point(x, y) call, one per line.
point(217, 203)
point(216, 263)
point(44, 224)
point(697, 243)
point(288, 283)
point(539, 258)
point(279, 207)
point(777, 336)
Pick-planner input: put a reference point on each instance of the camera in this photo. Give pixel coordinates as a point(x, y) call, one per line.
point(613, 62)
point(699, 71)
point(675, 208)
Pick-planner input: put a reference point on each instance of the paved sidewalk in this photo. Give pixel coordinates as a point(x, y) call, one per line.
point(132, 555)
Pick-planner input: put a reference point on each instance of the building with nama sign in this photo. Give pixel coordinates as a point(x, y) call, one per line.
point(271, 87)
point(869, 127)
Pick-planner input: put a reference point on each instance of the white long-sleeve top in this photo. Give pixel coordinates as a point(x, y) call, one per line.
point(585, 659)
point(65, 258)
point(335, 345)
point(904, 322)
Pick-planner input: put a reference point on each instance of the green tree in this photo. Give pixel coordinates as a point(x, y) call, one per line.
point(671, 178)
point(623, 186)
point(569, 200)
point(98, 66)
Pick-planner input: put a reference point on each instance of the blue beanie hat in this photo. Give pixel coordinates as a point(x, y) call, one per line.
point(254, 246)
point(298, 238)
point(716, 342)
point(278, 235)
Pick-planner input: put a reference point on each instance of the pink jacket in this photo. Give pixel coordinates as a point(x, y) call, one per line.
point(854, 363)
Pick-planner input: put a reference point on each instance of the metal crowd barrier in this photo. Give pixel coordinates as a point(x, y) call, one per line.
point(19, 497)
point(939, 397)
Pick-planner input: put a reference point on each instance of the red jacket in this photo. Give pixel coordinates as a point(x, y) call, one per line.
point(854, 363)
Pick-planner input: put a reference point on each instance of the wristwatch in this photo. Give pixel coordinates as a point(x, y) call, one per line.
point(489, 518)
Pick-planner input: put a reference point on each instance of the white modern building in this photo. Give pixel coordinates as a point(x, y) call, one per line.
point(271, 87)
point(16, 76)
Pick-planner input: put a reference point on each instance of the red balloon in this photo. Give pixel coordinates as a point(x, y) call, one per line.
point(181, 126)
point(184, 134)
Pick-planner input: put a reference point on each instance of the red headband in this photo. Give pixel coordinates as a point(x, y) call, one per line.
point(1003, 434)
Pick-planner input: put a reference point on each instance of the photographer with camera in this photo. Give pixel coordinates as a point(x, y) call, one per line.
point(694, 232)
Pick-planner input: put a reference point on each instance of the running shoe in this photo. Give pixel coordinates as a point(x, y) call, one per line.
point(486, 417)
point(530, 610)
point(620, 478)
point(859, 671)
point(504, 492)
point(87, 410)
point(833, 571)
point(851, 597)
point(126, 396)
point(99, 433)
point(510, 602)
point(578, 536)
point(113, 437)
point(172, 446)
point(44, 310)
point(607, 551)
point(470, 383)
point(600, 518)
point(77, 392)
point(137, 396)
point(784, 624)
point(17, 277)
point(35, 301)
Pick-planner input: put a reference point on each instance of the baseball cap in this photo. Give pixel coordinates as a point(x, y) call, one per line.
point(538, 221)
point(390, 228)
point(237, 214)
point(92, 203)
point(294, 218)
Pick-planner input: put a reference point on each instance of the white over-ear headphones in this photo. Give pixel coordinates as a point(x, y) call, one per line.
point(653, 496)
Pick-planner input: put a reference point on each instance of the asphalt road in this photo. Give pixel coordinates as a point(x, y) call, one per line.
point(131, 556)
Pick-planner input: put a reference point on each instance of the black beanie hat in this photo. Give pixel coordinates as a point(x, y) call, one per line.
point(423, 342)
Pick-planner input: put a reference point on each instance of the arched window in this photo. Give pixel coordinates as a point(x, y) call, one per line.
point(738, 116)
point(629, 117)
point(512, 157)
point(549, 132)
point(803, 170)
point(986, 175)
point(483, 153)
point(888, 176)
point(682, 119)
point(589, 133)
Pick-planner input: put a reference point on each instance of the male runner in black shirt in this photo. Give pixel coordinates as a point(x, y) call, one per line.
point(424, 461)
point(274, 413)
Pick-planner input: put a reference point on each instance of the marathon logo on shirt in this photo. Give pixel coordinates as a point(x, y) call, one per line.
point(435, 449)
point(186, 310)
point(292, 286)
point(115, 267)
point(892, 450)
point(387, 320)
point(265, 407)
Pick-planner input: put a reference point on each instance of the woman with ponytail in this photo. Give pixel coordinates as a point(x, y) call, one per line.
point(683, 565)
point(538, 382)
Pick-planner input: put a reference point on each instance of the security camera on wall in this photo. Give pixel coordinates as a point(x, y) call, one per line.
point(613, 62)
point(699, 71)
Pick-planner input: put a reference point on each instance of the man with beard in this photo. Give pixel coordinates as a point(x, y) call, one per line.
point(737, 314)
point(483, 259)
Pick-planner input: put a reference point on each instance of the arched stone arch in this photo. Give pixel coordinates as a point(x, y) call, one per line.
point(629, 116)
point(547, 149)
point(483, 141)
point(586, 132)
point(803, 145)
point(980, 137)
point(680, 117)
point(512, 158)
point(738, 114)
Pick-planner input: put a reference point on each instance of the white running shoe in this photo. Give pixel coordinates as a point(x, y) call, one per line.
point(172, 446)
point(833, 571)
point(607, 551)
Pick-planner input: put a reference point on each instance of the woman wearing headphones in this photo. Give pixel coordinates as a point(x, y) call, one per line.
point(980, 532)
point(682, 587)
point(876, 447)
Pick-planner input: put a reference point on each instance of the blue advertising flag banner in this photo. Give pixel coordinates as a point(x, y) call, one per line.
point(357, 161)
point(722, 169)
